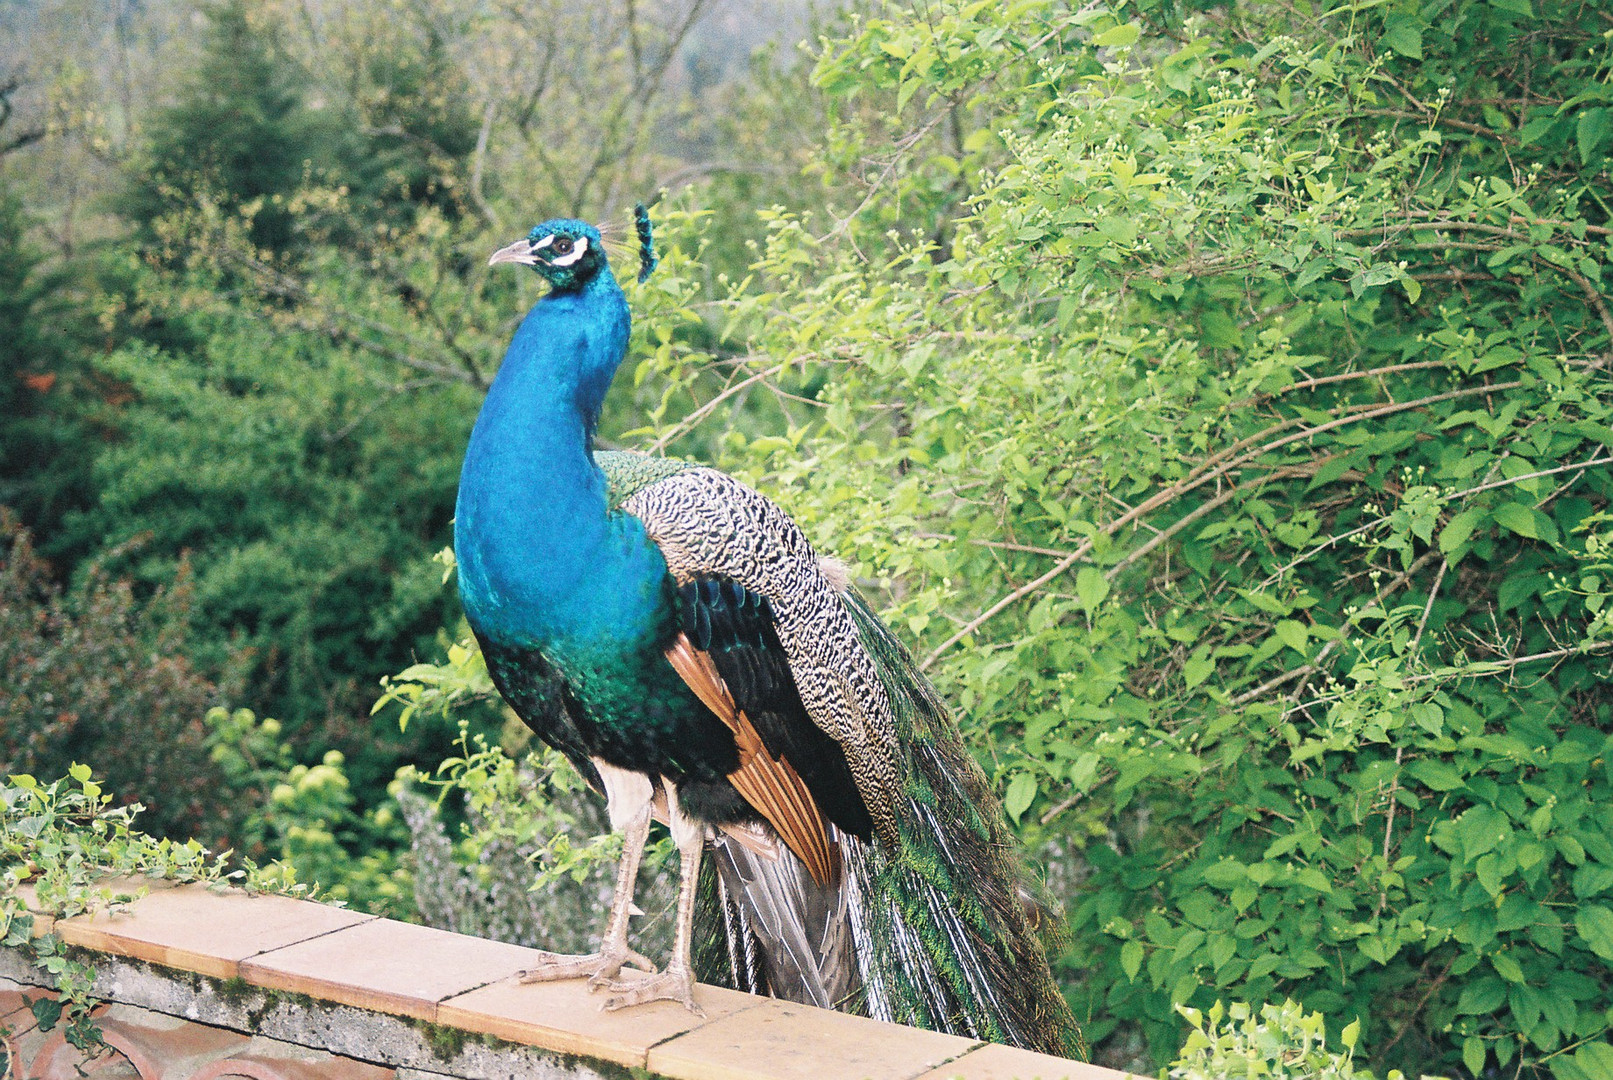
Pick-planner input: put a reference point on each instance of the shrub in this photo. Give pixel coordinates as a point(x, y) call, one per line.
point(98, 675)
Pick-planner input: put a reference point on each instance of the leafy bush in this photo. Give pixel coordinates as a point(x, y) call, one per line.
point(1282, 1042)
point(513, 846)
point(99, 675)
point(45, 444)
point(1225, 405)
point(301, 497)
point(301, 822)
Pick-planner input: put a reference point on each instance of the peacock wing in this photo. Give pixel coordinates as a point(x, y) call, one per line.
point(755, 597)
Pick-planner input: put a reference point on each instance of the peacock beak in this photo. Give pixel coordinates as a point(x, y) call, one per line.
point(519, 252)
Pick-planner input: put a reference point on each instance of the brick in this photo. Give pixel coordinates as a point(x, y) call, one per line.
point(388, 966)
point(784, 1041)
point(566, 1017)
point(195, 929)
point(993, 1062)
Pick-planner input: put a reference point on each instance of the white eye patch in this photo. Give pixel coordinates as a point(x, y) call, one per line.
point(576, 253)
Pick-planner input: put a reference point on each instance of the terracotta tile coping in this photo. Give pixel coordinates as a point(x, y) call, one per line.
point(469, 983)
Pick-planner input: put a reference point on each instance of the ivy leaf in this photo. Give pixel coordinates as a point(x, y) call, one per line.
point(47, 1011)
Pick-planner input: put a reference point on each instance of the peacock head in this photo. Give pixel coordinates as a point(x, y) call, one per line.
point(566, 252)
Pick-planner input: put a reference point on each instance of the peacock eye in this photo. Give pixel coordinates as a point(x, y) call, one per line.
point(562, 245)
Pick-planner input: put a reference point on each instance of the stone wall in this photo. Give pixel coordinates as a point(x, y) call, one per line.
point(200, 984)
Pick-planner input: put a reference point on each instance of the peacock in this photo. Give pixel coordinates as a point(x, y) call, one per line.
point(673, 633)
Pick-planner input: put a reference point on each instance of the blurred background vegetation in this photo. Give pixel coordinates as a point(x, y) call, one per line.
point(1218, 395)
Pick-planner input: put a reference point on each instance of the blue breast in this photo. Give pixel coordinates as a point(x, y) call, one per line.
point(541, 561)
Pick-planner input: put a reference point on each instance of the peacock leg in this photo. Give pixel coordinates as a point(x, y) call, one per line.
point(604, 966)
point(676, 983)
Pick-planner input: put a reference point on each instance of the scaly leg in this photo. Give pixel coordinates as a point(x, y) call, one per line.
point(676, 983)
point(604, 966)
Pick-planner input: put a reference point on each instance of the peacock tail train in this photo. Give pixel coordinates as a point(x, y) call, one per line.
point(933, 931)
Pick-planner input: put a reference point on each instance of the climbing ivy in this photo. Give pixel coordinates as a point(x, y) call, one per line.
point(65, 839)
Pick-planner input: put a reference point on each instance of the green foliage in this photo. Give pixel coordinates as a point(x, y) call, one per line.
point(45, 448)
point(244, 134)
point(513, 795)
point(1237, 452)
point(303, 822)
point(1282, 1042)
point(99, 674)
point(300, 502)
point(62, 839)
point(240, 128)
point(512, 845)
point(527, 802)
point(1220, 399)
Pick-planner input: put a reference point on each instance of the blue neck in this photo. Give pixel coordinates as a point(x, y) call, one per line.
point(540, 559)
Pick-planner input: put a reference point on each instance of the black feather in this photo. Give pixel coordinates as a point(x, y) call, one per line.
point(735, 626)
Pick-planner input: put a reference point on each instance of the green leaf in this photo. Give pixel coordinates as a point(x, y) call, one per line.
point(1481, 996)
point(1293, 634)
point(1517, 517)
point(1091, 587)
point(1315, 879)
point(1405, 39)
point(1595, 926)
point(1435, 775)
point(1196, 670)
point(1595, 1059)
point(1131, 959)
point(1351, 1032)
point(1473, 1054)
point(1458, 530)
point(1517, 7)
point(1592, 879)
point(1590, 131)
point(1507, 967)
point(1481, 829)
point(1021, 793)
point(1118, 37)
point(1226, 873)
point(47, 1011)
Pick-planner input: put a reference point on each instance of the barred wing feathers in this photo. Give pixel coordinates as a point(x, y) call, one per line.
point(927, 925)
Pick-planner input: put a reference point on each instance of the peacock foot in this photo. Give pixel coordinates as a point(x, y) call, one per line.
point(670, 985)
point(600, 968)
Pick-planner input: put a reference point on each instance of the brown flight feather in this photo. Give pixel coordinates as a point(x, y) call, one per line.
point(768, 783)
